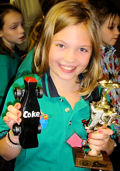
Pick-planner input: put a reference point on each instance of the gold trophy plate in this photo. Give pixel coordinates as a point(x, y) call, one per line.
point(83, 160)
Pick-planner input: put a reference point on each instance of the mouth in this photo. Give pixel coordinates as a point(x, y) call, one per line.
point(22, 38)
point(115, 38)
point(67, 68)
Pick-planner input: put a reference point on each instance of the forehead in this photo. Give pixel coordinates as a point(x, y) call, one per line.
point(12, 17)
point(112, 20)
point(74, 31)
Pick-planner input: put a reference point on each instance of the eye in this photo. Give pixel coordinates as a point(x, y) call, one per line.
point(13, 27)
point(111, 27)
point(83, 50)
point(60, 45)
point(22, 24)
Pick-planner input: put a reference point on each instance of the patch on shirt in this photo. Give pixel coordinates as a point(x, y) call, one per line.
point(76, 141)
point(43, 120)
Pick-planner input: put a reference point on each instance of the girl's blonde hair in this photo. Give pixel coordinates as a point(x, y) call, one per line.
point(61, 15)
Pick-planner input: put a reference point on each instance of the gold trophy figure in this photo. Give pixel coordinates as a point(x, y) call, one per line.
point(102, 113)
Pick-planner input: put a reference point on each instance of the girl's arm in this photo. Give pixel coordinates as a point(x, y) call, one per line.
point(9, 145)
point(8, 150)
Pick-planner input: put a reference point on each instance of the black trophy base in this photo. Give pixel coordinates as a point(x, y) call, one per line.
point(83, 160)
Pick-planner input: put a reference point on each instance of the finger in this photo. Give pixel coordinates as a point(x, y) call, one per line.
point(99, 141)
point(11, 116)
point(94, 147)
point(106, 131)
point(99, 135)
point(12, 109)
point(17, 105)
point(6, 119)
point(89, 130)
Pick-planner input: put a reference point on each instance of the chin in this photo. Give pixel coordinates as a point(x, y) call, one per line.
point(66, 77)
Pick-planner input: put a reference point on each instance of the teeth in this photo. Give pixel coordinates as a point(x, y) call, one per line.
point(67, 67)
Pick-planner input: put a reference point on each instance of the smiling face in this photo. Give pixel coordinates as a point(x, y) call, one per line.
point(109, 31)
point(12, 32)
point(70, 52)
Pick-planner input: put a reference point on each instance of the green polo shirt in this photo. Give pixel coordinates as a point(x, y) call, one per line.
point(8, 68)
point(26, 65)
point(53, 153)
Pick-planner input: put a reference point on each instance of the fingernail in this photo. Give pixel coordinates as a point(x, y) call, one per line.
point(17, 113)
point(18, 119)
point(18, 106)
point(89, 135)
point(100, 131)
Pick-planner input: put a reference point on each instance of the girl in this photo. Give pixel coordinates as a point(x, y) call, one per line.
point(11, 34)
point(27, 63)
point(67, 66)
point(109, 19)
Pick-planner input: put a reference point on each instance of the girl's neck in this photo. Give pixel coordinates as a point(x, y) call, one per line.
point(104, 44)
point(10, 46)
point(68, 90)
point(65, 86)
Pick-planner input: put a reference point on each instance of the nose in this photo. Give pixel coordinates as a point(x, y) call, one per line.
point(117, 31)
point(21, 29)
point(69, 56)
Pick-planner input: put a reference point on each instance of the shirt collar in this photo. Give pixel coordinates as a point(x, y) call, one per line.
point(49, 88)
point(107, 49)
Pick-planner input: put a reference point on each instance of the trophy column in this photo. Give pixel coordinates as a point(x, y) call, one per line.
point(101, 114)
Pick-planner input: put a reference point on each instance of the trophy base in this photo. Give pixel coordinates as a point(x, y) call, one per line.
point(83, 160)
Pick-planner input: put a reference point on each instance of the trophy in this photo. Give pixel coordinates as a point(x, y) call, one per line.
point(102, 113)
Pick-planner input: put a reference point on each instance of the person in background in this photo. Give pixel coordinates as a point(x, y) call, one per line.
point(109, 18)
point(26, 66)
point(11, 34)
point(31, 11)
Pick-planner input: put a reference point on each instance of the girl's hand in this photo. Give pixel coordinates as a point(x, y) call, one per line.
point(100, 140)
point(13, 115)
